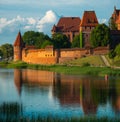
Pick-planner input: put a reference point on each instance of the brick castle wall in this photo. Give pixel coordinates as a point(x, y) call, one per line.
point(51, 56)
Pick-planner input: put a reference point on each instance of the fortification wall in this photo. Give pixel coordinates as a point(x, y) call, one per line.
point(72, 53)
point(100, 50)
point(39, 56)
point(51, 56)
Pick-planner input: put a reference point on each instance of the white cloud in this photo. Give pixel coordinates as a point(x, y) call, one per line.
point(28, 23)
point(12, 26)
point(49, 18)
point(103, 21)
point(31, 21)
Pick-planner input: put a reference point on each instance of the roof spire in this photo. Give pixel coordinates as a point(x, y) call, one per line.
point(114, 7)
point(18, 41)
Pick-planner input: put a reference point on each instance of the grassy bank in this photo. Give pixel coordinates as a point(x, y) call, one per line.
point(67, 69)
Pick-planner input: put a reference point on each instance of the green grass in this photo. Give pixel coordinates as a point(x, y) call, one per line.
point(92, 65)
point(91, 60)
point(114, 62)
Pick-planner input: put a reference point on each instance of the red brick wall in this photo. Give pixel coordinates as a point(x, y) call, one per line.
point(44, 56)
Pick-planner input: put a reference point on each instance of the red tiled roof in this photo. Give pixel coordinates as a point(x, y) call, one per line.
point(89, 19)
point(18, 41)
point(67, 24)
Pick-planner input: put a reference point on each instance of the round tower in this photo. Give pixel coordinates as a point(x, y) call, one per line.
point(18, 46)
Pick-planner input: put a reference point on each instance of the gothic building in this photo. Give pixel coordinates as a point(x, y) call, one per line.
point(69, 26)
point(72, 26)
point(116, 17)
point(88, 23)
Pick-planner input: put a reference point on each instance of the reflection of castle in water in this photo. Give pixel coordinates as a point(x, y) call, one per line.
point(70, 90)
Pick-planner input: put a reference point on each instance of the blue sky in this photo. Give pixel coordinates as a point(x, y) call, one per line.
point(40, 15)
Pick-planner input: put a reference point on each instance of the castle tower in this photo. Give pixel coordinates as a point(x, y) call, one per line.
point(88, 23)
point(116, 17)
point(18, 46)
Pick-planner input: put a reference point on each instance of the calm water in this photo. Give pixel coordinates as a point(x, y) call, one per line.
point(50, 94)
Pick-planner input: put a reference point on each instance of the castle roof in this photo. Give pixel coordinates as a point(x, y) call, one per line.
point(118, 20)
point(67, 24)
point(18, 41)
point(89, 19)
point(116, 11)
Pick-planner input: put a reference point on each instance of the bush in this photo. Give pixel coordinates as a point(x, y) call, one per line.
point(112, 54)
point(86, 64)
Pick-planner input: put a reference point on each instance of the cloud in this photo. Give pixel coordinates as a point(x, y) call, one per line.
point(49, 18)
point(103, 21)
point(28, 23)
point(9, 27)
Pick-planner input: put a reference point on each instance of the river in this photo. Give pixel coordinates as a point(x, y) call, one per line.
point(46, 93)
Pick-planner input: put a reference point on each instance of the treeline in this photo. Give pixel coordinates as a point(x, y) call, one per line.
point(40, 40)
point(6, 52)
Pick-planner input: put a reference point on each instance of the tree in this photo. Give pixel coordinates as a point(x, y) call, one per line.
point(35, 38)
point(112, 24)
point(100, 36)
point(117, 50)
point(60, 41)
point(76, 41)
point(46, 43)
point(6, 51)
point(1, 54)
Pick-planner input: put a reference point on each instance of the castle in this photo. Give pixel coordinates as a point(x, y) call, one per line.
point(70, 26)
point(116, 17)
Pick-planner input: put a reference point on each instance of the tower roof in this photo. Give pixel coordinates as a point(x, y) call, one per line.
point(18, 41)
point(89, 19)
point(67, 24)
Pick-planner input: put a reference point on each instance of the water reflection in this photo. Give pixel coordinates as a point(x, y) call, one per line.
point(80, 94)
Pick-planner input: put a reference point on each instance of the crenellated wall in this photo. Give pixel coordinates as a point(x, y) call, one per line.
point(39, 56)
point(51, 56)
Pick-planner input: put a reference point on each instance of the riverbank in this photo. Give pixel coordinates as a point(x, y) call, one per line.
point(66, 69)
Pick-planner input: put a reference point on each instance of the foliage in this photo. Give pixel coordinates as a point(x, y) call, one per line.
point(66, 69)
point(35, 38)
point(76, 41)
point(112, 24)
point(117, 50)
point(100, 36)
point(1, 54)
point(81, 39)
point(45, 43)
point(60, 41)
point(6, 51)
point(112, 54)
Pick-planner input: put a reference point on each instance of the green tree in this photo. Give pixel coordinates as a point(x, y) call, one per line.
point(46, 43)
point(112, 54)
point(117, 50)
point(112, 24)
point(60, 41)
point(81, 40)
point(1, 54)
point(6, 51)
point(76, 41)
point(100, 36)
point(35, 38)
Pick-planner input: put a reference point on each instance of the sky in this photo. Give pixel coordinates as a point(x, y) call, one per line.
point(41, 15)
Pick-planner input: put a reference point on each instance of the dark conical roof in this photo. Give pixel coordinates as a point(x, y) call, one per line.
point(18, 41)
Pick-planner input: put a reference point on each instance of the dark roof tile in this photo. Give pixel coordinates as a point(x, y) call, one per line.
point(89, 19)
